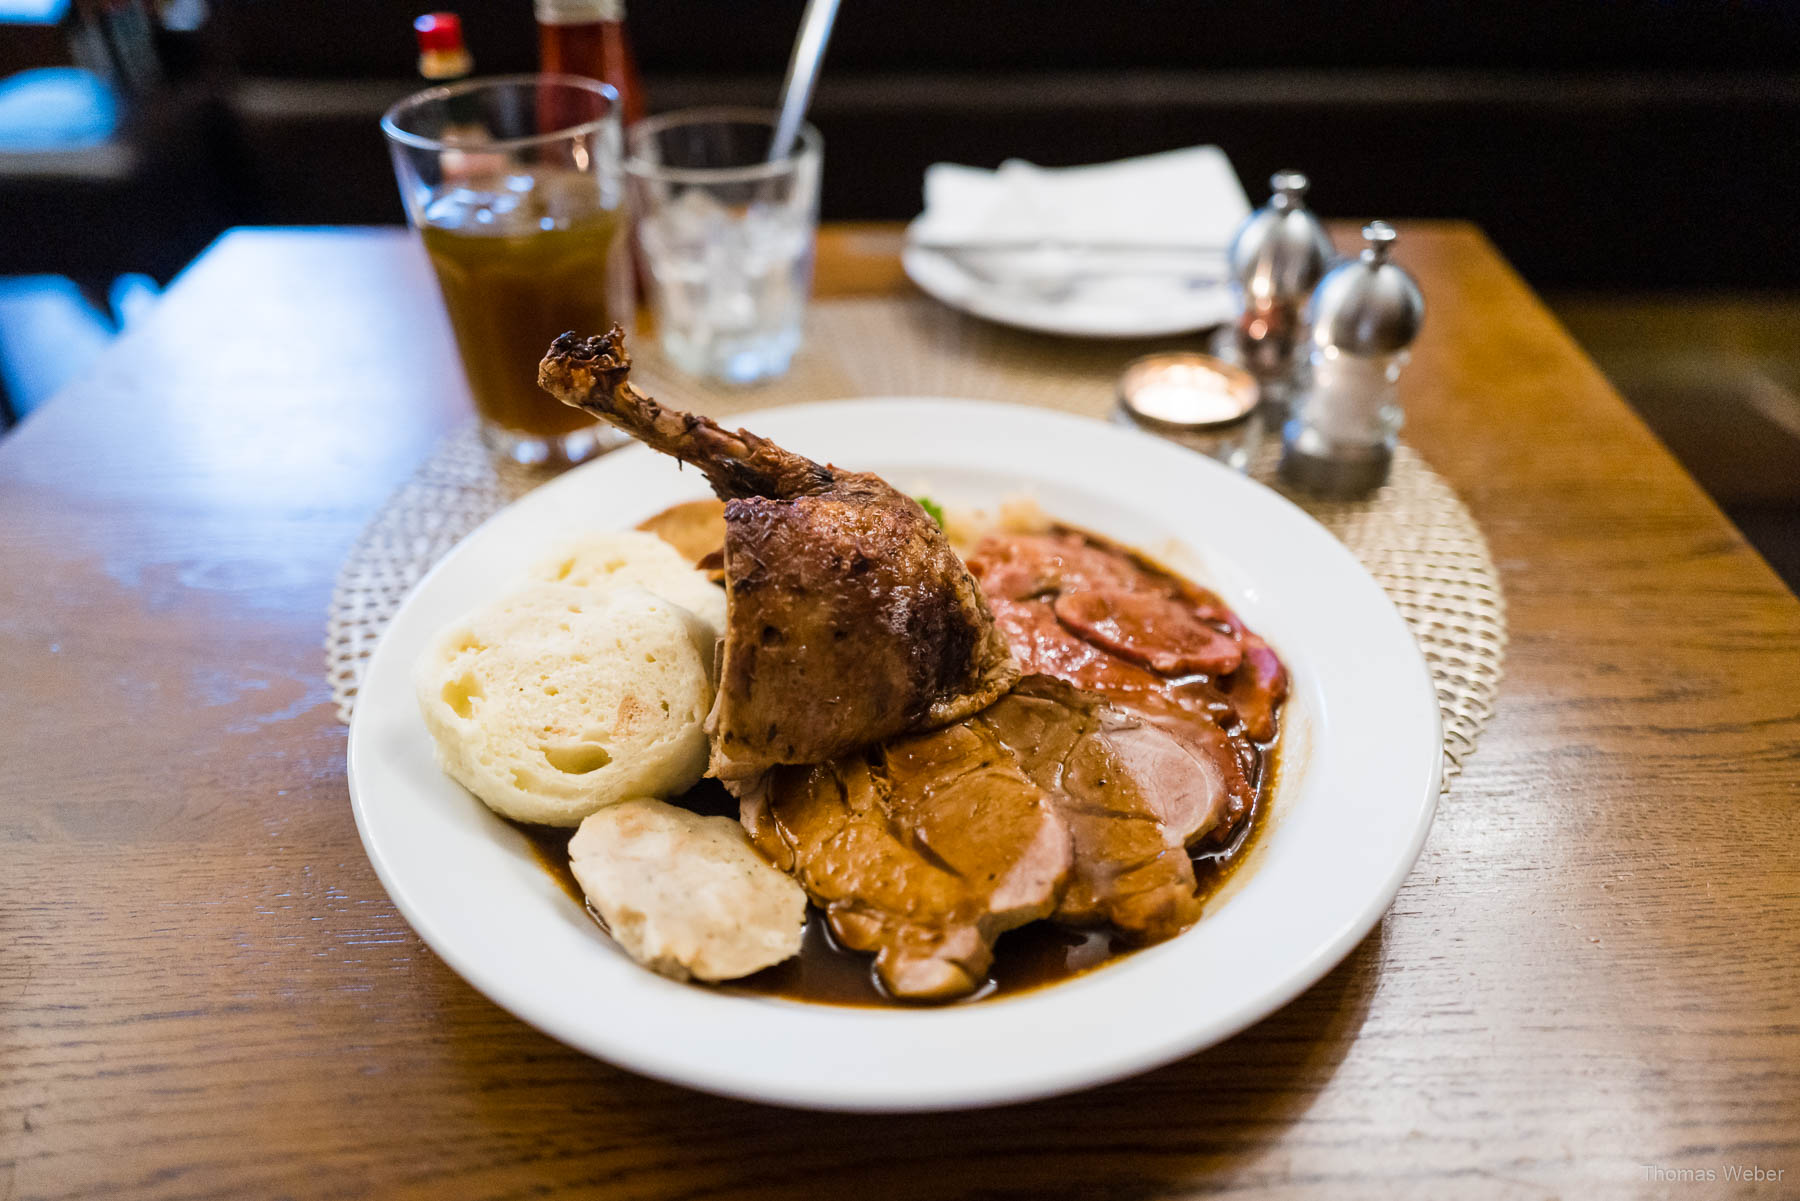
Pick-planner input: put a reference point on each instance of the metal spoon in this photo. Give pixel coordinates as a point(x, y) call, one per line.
point(802, 73)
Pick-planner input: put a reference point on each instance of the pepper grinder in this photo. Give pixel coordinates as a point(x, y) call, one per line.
point(1364, 315)
point(1277, 256)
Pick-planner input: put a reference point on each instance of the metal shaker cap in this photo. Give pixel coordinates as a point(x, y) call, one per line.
point(1281, 249)
point(1370, 305)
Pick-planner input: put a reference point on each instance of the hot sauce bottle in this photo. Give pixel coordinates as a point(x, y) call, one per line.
point(442, 56)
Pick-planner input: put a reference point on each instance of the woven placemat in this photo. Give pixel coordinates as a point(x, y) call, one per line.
point(1414, 535)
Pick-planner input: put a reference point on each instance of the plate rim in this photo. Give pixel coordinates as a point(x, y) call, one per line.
point(977, 304)
point(1351, 930)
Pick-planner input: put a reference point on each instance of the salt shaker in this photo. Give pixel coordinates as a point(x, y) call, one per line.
point(1346, 418)
point(1277, 256)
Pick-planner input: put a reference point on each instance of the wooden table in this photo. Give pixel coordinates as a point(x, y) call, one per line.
point(1590, 978)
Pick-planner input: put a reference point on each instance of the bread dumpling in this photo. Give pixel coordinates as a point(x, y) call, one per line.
point(634, 557)
point(560, 700)
point(686, 895)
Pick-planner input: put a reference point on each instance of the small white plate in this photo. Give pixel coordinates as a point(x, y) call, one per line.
point(1121, 307)
point(1357, 788)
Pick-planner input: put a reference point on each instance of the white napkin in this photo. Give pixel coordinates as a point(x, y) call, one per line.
point(1185, 197)
point(1044, 268)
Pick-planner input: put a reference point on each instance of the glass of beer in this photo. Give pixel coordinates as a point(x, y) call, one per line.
point(516, 188)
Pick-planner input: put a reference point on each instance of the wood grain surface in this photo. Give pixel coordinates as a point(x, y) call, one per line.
point(1589, 987)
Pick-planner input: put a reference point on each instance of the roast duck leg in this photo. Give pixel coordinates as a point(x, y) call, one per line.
point(850, 621)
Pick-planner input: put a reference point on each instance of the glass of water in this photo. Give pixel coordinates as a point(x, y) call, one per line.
point(726, 237)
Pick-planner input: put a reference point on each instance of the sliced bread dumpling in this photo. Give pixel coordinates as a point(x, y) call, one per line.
point(633, 557)
point(685, 895)
point(561, 700)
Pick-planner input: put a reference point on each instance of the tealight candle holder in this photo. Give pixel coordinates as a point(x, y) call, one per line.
point(1199, 401)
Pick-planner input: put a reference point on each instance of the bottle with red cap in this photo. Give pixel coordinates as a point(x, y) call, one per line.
point(442, 56)
point(444, 59)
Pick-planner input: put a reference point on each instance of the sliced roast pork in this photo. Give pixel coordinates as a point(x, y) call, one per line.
point(1098, 616)
point(1048, 803)
point(923, 852)
point(1133, 795)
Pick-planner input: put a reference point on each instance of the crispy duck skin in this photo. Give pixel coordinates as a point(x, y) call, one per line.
point(850, 619)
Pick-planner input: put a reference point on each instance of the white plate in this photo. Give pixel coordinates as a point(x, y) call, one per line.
point(1358, 785)
point(1113, 308)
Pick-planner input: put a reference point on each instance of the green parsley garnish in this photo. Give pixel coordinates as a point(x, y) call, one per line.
point(931, 507)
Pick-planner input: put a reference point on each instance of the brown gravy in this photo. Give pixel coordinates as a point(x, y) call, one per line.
point(1024, 959)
